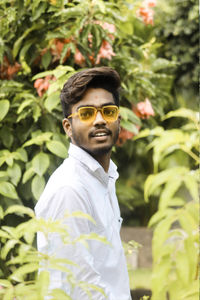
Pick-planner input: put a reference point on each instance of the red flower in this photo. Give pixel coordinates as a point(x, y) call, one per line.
point(42, 85)
point(144, 109)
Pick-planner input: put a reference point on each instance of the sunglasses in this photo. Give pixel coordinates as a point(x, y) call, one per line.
point(87, 114)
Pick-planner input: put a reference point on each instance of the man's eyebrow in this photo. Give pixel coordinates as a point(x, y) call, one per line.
point(87, 105)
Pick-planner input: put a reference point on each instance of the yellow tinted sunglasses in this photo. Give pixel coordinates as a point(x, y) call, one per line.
point(87, 114)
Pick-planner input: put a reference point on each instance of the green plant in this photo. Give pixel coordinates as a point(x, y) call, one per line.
point(20, 261)
point(180, 37)
point(175, 183)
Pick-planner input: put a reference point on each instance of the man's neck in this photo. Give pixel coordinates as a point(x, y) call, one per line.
point(104, 161)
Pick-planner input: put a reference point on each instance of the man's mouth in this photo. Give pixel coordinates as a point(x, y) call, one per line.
point(100, 133)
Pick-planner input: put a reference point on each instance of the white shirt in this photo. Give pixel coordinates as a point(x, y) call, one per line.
point(81, 184)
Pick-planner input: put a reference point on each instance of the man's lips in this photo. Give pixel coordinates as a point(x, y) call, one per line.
point(100, 133)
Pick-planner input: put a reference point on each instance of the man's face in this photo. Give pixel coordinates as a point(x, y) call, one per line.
point(98, 137)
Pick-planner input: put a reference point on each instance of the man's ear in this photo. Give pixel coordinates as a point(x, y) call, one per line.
point(67, 127)
point(119, 118)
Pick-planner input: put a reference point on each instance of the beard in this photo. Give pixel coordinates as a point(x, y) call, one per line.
point(98, 150)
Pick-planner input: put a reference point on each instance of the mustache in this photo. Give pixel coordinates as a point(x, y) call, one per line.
point(102, 129)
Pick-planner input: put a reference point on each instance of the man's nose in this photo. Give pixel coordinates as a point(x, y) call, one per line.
point(99, 119)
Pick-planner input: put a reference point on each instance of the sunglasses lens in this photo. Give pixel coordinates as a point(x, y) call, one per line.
point(110, 113)
point(86, 113)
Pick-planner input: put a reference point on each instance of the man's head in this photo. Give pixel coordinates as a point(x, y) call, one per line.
point(96, 88)
point(101, 77)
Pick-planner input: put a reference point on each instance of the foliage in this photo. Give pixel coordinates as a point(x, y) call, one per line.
point(42, 44)
point(20, 261)
point(180, 37)
point(175, 238)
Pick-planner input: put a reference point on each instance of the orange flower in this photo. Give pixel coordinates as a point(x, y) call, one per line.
point(106, 51)
point(7, 70)
point(145, 12)
point(144, 109)
point(150, 3)
point(79, 58)
point(57, 49)
point(125, 135)
point(107, 26)
point(42, 85)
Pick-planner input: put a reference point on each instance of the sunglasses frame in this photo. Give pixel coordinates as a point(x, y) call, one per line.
point(96, 109)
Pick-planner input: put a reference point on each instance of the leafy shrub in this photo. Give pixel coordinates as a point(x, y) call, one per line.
point(175, 238)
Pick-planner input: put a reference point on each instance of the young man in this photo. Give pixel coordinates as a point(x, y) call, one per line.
point(86, 182)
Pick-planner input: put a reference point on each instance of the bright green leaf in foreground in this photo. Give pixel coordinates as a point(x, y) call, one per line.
point(40, 163)
point(57, 148)
point(4, 108)
point(8, 190)
point(37, 186)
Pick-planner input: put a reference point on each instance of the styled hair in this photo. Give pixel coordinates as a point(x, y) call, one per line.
point(100, 77)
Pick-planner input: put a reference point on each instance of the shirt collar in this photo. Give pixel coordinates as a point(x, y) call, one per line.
point(92, 165)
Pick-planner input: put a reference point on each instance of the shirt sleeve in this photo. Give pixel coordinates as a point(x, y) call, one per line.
point(70, 200)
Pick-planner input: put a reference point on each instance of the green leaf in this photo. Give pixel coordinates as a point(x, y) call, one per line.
point(157, 131)
point(128, 114)
point(8, 190)
point(4, 235)
point(129, 126)
point(19, 209)
point(14, 173)
point(43, 283)
point(40, 163)
point(1, 213)
point(4, 108)
point(24, 104)
point(39, 139)
point(58, 72)
point(7, 137)
point(182, 267)
point(162, 63)
point(52, 101)
point(22, 154)
point(80, 214)
point(153, 182)
point(46, 59)
point(22, 271)
point(18, 42)
point(8, 246)
point(57, 148)
point(27, 175)
point(160, 236)
point(169, 191)
point(37, 186)
point(5, 283)
point(183, 113)
point(192, 185)
point(159, 215)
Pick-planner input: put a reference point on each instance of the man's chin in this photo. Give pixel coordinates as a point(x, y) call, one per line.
point(99, 150)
